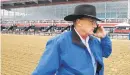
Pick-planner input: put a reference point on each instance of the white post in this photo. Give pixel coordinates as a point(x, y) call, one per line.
point(128, 10)
point(105, 12)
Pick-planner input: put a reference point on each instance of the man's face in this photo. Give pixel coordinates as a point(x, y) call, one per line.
point(87, 25)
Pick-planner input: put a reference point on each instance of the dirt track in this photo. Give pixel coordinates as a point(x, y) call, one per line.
point(20, 55)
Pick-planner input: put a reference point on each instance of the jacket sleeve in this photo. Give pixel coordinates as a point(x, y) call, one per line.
point(49, 61)
point(106, 46)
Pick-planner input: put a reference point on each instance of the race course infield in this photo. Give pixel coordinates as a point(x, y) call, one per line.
point(21, 53)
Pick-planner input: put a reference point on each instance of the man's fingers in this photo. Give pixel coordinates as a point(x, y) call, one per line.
point(99, 35)
point(96, 35)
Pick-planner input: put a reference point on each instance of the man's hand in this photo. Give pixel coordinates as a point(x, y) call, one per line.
point(100, 32)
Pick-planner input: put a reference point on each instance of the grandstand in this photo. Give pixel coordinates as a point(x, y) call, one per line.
point(43, 13)
point(107, 10)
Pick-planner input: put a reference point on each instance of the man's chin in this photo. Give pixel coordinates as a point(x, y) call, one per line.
point(91, 33)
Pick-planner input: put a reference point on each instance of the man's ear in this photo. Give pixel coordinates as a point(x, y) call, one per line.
point(78, 22)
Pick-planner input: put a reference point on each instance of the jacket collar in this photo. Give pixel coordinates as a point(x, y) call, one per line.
point(76, 39)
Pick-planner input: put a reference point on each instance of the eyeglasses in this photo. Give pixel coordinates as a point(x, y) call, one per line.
point(93, 22)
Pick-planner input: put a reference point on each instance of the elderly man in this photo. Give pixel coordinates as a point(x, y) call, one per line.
point(77, 52)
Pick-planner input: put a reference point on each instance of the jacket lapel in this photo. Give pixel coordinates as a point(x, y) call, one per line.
point(76, 39)
point(99, 66)
point(92, 48)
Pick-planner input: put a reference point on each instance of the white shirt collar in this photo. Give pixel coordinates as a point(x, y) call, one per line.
point(84, 41)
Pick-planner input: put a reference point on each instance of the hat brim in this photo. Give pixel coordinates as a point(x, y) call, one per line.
point(73, 17)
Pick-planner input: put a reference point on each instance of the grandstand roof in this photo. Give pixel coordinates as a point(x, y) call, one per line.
point(8, 4)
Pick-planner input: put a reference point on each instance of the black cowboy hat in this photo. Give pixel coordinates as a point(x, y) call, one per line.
point(85, 10)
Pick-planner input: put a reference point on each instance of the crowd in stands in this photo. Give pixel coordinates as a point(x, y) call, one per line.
point(39, 27)
point(44, 27)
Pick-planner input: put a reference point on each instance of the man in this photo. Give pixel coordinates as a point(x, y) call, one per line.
point(77, 52)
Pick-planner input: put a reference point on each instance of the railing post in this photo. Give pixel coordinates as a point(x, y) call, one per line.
point(129, 36)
